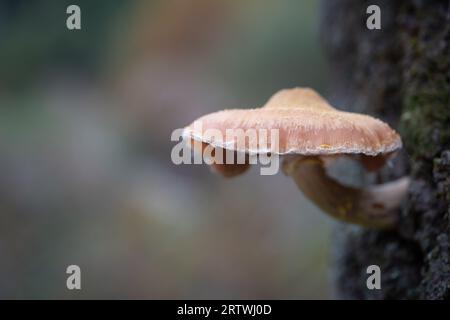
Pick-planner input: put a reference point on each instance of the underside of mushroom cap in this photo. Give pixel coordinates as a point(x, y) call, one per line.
point(306, 124)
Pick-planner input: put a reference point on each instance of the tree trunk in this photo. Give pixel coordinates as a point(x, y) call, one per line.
point(400, 74)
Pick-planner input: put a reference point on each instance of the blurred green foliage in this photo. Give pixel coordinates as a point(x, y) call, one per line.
point(85, 150)
point(34, 38)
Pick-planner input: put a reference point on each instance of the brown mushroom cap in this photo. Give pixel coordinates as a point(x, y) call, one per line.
point(311, 133)
point(307, 124)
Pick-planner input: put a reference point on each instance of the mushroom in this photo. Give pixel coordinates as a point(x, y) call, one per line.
point(311, 135)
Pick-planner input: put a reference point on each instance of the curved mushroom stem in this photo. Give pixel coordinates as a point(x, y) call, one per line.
point(374, 207)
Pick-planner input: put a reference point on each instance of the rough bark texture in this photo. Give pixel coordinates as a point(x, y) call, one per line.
point(401, 74)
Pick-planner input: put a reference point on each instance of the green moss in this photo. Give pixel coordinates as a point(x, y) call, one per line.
point(425, 123)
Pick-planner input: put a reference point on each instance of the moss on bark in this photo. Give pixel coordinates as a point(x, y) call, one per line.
point(400, 73)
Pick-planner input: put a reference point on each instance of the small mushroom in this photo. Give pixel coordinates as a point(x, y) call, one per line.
point(311, 134)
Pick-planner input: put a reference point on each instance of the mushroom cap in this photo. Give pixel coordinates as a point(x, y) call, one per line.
point(307, 125)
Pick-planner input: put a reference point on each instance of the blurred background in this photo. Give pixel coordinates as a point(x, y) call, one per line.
point(86, 176)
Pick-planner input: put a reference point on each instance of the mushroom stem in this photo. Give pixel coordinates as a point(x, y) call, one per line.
point(374, 207)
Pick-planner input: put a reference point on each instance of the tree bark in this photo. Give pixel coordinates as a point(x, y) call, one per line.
point(400, 74)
